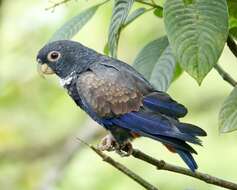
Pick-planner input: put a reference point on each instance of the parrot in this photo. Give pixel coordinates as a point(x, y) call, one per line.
point(120, 99)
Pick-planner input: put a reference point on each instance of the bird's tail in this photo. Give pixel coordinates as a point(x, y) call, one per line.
point(188, 159)
point(170, 132)
point(185, 155)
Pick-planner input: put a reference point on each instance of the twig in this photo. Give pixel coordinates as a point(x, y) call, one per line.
point(56, 4)
point(123, 169)
point(225, 75)
point(232, 45)
point(149, 4)
point(162, 165)
point(153, 2)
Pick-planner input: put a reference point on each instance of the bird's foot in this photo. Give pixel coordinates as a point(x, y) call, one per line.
point(107, 143)
point(124, 149)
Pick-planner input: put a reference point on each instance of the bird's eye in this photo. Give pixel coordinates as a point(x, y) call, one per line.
point(54, 56)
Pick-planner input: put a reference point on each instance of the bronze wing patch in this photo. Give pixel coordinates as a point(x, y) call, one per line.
point(107, 96)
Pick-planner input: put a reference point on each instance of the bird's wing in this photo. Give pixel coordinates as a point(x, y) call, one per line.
point(107, 92)
point(155, 100)
point(143, 84)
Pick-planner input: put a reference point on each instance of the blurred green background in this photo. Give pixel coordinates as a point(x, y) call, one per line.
point(39, 123)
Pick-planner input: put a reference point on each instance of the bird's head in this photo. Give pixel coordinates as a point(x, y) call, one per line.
point(63, 57)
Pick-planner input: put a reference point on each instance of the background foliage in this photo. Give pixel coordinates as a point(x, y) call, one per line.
point(36, 115)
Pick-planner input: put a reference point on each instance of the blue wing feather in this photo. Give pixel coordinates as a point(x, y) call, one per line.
point(163, 103)
point(156, 124)
point(176, 143)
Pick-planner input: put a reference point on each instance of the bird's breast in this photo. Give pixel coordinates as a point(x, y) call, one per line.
point(73, 92)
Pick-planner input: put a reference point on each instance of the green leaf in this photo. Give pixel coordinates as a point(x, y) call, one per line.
point(156, 62)
point(158, 12)
point(233, 32)
point(232, 7)
point(148, 56)
point(134, 15)
point(74, 25)
point(163, 71)
point(177, 72)
point(119, 16)
point(228, 113)
point(187, 2)
point(197, 33)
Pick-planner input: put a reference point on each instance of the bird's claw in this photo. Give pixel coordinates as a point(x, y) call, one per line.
point(109, 143)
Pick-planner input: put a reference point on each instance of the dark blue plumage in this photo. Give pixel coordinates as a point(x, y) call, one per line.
point(119, 98)
point(155, 125)
point(160, 102)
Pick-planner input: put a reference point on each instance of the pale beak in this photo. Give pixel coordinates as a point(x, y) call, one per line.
point(43, 69)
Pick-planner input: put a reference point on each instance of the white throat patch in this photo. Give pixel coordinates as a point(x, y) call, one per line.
point(67, 80)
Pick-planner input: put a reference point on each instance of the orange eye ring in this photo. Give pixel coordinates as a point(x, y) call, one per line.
point(53, 56)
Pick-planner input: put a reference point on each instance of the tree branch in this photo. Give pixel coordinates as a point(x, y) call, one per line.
point(123, 169)
point(232, 45)
point(225, 75)
point(162, 165)
point(71, 148)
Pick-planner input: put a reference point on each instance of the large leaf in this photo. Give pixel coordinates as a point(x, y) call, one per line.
point(197, 31)
point(228, 113)
point(156, 62)
point(119, 15)
point(74, 25)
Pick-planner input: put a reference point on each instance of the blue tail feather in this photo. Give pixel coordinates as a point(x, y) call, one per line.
point(162, 128)
point(188, 159)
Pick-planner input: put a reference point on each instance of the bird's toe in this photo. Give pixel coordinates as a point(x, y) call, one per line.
point(125, 149)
